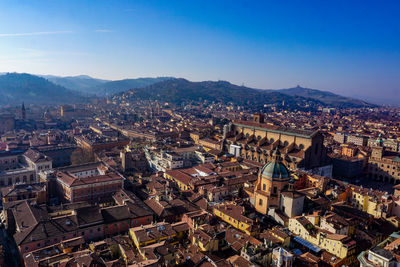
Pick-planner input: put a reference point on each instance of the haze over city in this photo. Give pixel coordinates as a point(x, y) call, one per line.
point(347, 47)
point(199, 133)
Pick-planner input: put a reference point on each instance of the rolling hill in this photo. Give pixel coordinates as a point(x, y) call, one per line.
point(81, 83)
point(113, 87)
point(18, 87)
point(92, 86)
point(324, 96)
point(179, 91)
point(15, 88)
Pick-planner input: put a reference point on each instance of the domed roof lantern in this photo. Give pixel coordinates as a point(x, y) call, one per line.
point(276, 155)
point(275, 169)
point(379, 141)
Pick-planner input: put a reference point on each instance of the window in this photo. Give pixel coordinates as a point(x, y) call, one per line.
point(260, 202)
point(264, 187)
point(275, 190)
point(286, 143)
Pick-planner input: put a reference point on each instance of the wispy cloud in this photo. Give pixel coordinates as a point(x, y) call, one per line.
point(33, 33)
point(103, 30)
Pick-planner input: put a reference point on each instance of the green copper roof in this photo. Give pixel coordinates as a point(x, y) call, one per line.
point(379, 141)
point(275, 169)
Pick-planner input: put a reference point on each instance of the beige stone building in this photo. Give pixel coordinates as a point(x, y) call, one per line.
point(255, 140)
point(384, 165)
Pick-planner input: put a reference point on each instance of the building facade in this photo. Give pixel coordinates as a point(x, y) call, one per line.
point(273, 179)
point(384, 165)
point(257, 140)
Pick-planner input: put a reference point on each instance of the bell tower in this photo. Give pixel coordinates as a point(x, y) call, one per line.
point(23, 111)
point(377, 150)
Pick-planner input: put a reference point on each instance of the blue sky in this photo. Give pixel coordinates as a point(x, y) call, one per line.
point(348, 47)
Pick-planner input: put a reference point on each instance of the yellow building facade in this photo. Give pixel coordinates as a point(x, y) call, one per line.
point(232, 215)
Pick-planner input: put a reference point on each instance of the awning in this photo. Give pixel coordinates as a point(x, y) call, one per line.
point(307, 244)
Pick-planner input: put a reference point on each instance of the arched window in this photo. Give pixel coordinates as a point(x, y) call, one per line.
point(272, 140)
point(286, 143)
point(301, 146)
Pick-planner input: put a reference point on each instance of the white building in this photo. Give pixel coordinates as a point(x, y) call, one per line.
point(282, 258)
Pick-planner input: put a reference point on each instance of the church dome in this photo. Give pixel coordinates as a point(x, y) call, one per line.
point(275, 169)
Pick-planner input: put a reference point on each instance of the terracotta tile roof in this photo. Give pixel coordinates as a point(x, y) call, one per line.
point(239, 261)
point(180, 176)
point(71, 181)
point(236, 212)
point(36, 156)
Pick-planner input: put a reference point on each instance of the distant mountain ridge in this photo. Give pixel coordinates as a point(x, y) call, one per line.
point(15, 87)
point(113, 87)
point(180, 91)
point(18, 87)
point(326, 97)
point(80, 83)
point(99, 87)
